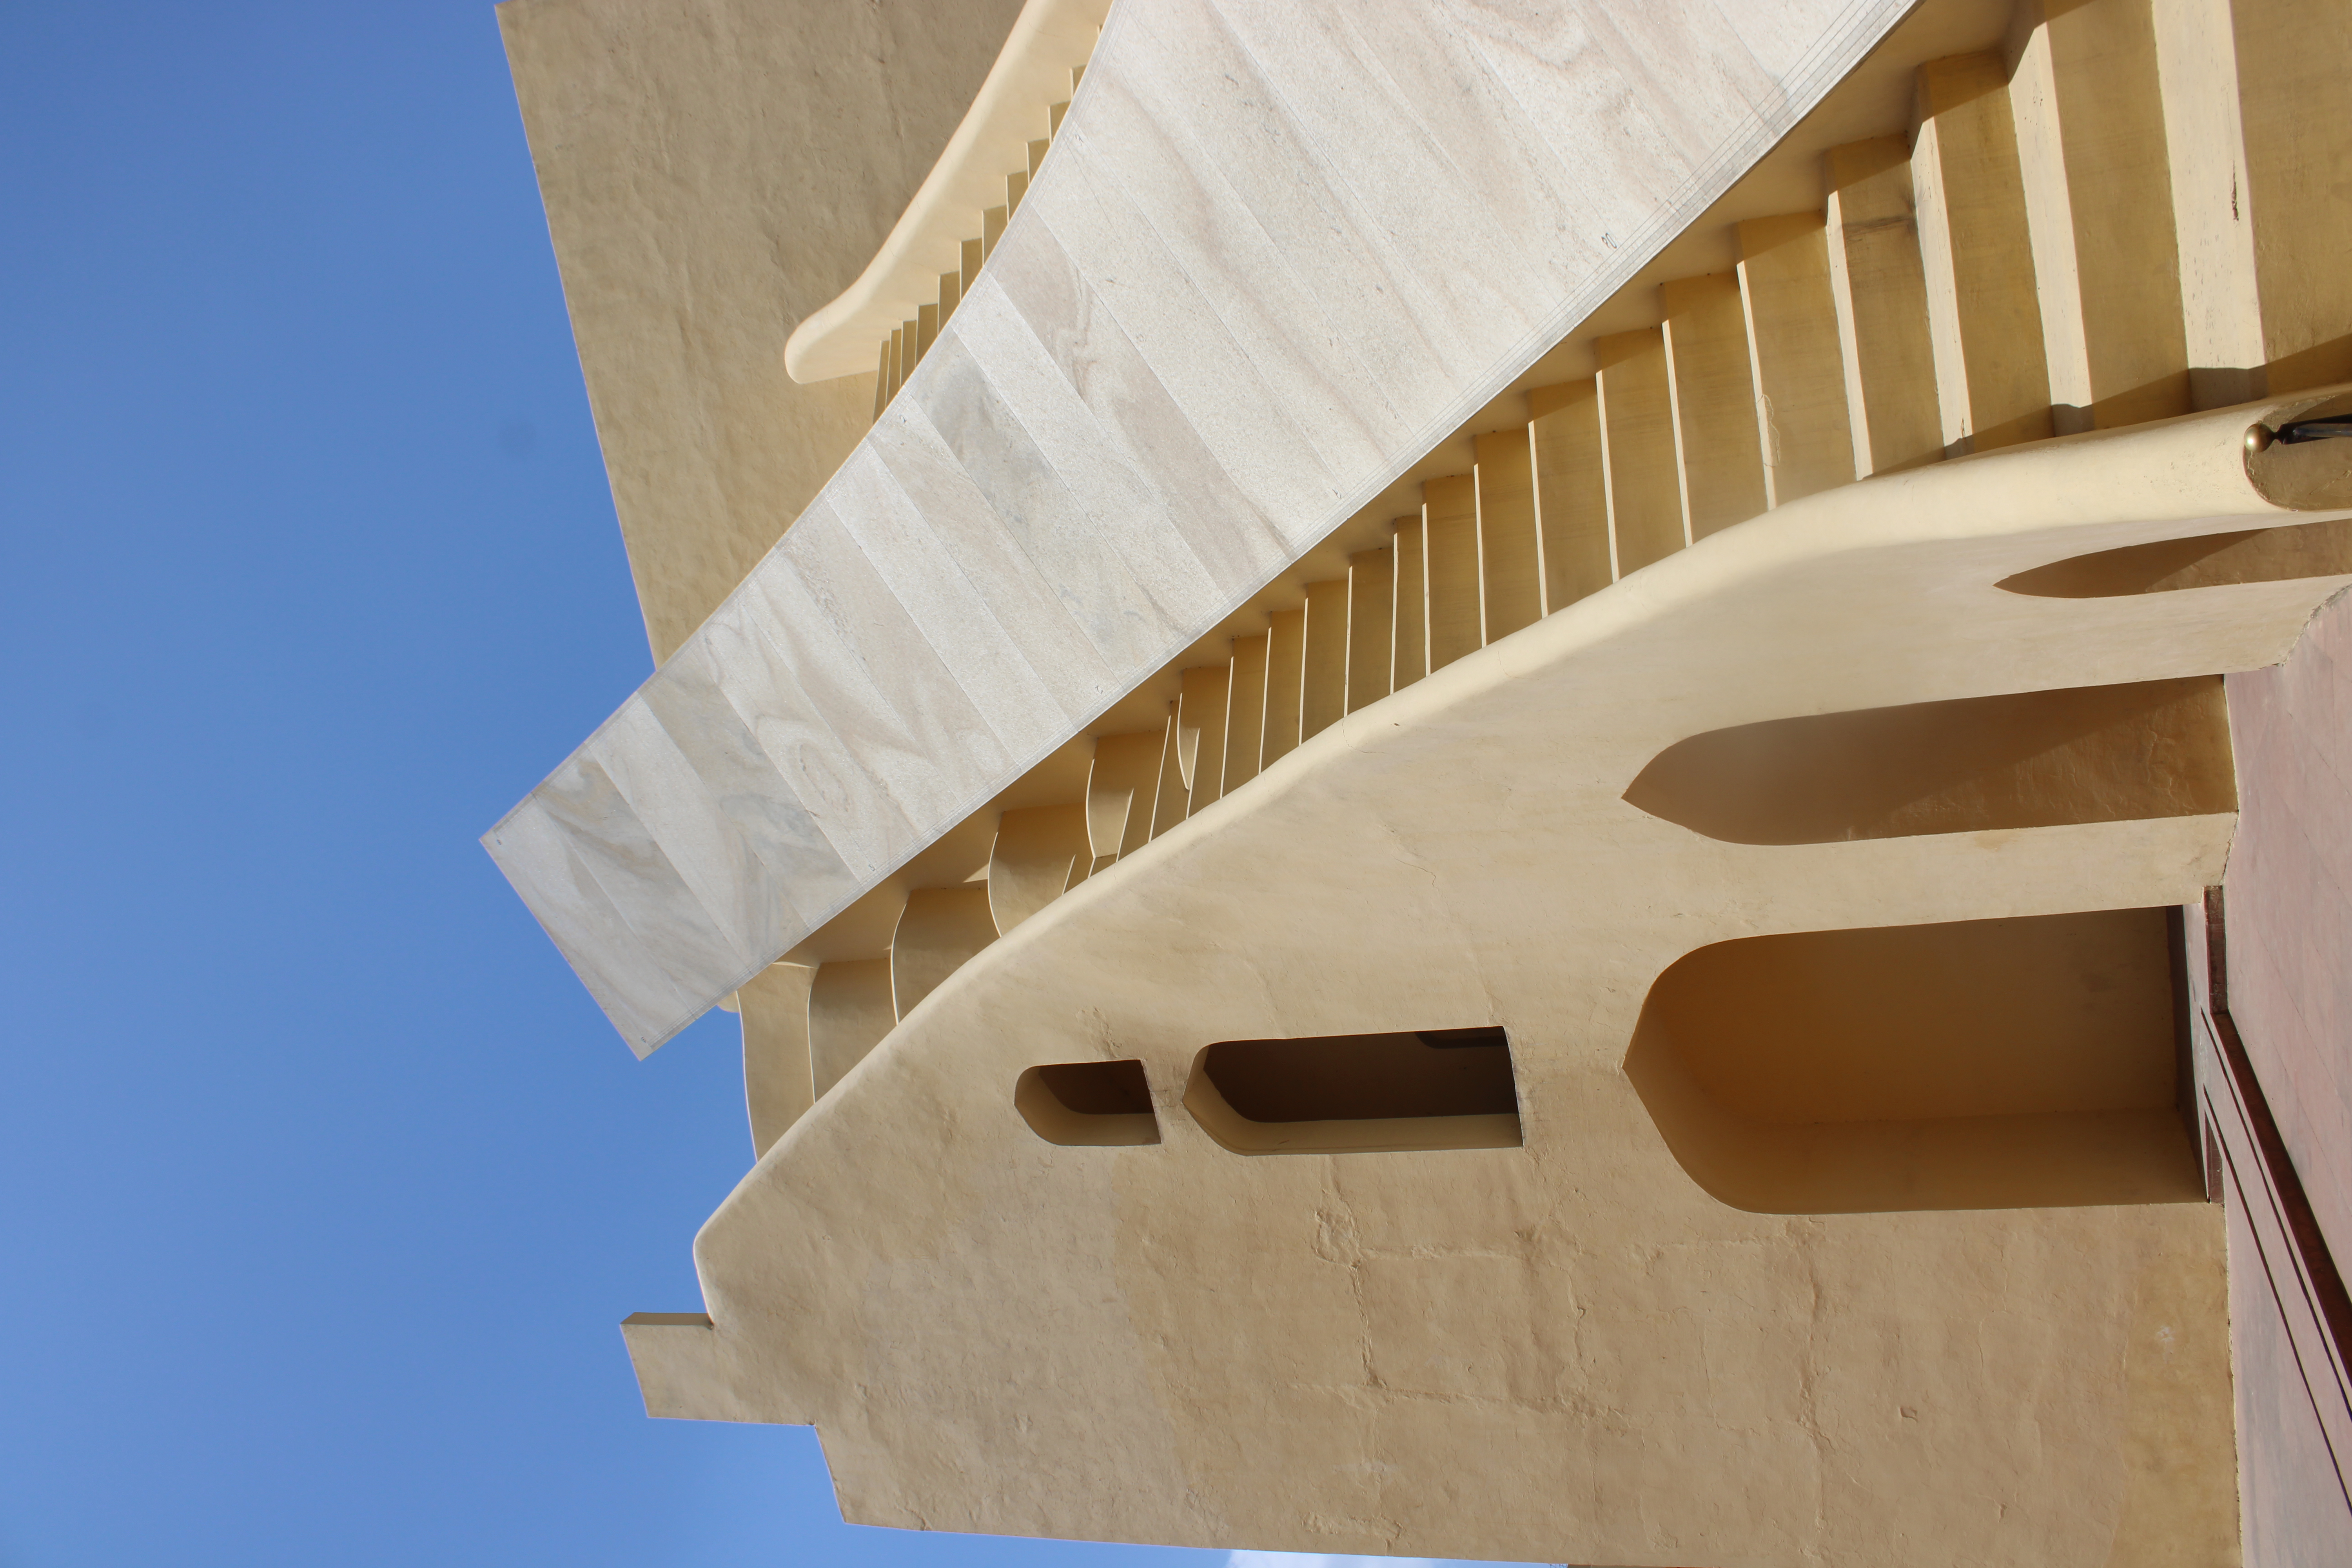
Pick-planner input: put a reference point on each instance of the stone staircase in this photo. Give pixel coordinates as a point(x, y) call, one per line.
point(2097, 221)
point(906, 346)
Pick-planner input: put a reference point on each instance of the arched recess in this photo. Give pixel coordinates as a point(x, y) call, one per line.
point(2206, 560)
point(2032, 759)
point(2020, 1063)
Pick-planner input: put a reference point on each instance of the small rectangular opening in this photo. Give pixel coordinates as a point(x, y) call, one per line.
point(1079, 1104)
point(1429, 1089)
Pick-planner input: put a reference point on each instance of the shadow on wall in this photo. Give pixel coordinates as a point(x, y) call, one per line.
point(2023, 1063)
point(2207, 560)
point(2034, 759)
point(2305, 463)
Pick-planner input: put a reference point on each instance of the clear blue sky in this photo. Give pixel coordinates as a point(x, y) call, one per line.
point(323, 1184)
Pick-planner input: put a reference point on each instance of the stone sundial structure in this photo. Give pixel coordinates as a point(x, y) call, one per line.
point(1565, 781)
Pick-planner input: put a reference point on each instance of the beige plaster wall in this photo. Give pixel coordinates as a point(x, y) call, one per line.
point(1569, 1351)
point(714, 171)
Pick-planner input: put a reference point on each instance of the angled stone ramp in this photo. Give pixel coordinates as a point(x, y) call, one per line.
point(993, 1332)
point(1184, 362)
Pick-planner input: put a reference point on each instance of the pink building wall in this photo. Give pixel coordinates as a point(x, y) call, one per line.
point(2289, 894)
point(2271, 989)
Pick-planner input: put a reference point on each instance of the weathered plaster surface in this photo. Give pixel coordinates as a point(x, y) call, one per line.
point(714, 171)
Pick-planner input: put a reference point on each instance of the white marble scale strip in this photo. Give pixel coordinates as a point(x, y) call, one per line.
point(1279, 251)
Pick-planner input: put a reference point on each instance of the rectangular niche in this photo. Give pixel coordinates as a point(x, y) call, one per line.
point(1088, 1104)
point(1333, 1094)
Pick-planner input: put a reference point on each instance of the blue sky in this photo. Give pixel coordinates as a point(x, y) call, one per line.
point(325, 1186)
